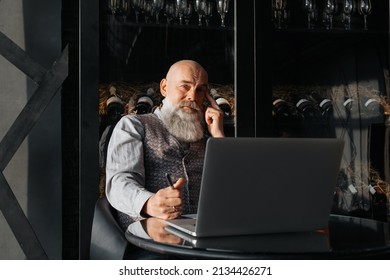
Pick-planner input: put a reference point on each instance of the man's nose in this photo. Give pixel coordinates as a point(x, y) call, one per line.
point(191, 94)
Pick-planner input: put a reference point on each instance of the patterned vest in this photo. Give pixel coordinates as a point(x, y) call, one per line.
point(163, 153)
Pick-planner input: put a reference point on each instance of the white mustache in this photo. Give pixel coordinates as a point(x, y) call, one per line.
point(190, 104)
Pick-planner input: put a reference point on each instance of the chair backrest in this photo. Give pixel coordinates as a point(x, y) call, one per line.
point(108, 241)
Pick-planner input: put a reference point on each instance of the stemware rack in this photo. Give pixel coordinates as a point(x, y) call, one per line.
point(175, 13)
point(316, 15)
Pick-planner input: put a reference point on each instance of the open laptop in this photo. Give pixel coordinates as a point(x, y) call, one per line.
point(264, 185)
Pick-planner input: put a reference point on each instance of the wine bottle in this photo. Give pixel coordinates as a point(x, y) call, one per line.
point(222, 102)
point(372, 105)
point(352, 189)
point(324, 103)
point(378, 202)
point(280, 107)
point(348, 103)
point(145, 103)
point(306, 107)
point(287, 120)
point(115, 107)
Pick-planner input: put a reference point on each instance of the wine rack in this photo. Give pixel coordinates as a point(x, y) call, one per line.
point(344, 60)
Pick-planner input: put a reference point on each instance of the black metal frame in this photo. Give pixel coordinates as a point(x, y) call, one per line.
point(253, 69)
point(89, 119)
point(80, 126)
point(49, 83)
point(245, 68)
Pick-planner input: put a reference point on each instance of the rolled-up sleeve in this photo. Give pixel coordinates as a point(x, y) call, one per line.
point(125, 172)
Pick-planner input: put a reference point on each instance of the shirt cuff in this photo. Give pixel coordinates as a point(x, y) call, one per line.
point(140, 202)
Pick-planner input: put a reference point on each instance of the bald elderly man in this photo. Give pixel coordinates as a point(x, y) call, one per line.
point(171, 140)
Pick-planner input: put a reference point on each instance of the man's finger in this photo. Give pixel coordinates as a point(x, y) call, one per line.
point(178, 184)
point(212, 102)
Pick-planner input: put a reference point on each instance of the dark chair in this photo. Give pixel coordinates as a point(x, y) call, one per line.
point(108, 241)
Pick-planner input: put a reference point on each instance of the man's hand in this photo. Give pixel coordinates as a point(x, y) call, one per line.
point(156, 230)
point(214, 118)
point(166, 203)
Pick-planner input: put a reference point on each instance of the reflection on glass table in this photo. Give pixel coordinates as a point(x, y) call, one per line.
point(345, 237)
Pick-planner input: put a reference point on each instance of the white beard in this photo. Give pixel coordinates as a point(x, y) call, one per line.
point(185, 126)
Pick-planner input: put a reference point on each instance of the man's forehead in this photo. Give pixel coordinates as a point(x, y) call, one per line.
point(193, 76)
point(191, 79)
point(188, 70)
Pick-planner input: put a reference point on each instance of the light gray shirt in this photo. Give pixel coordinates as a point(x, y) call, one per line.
point(125, 153)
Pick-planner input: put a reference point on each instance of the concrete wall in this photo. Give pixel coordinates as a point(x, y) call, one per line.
point(34, 173)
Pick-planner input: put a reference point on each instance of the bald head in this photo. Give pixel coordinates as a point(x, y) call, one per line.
point(198, 72)
point(185, 80)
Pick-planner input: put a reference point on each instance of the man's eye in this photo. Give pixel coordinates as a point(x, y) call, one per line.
point(202, 90)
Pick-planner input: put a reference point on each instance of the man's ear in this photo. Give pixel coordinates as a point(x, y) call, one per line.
point(163, 87)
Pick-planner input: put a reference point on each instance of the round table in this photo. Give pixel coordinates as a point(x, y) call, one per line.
point(345, 238)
